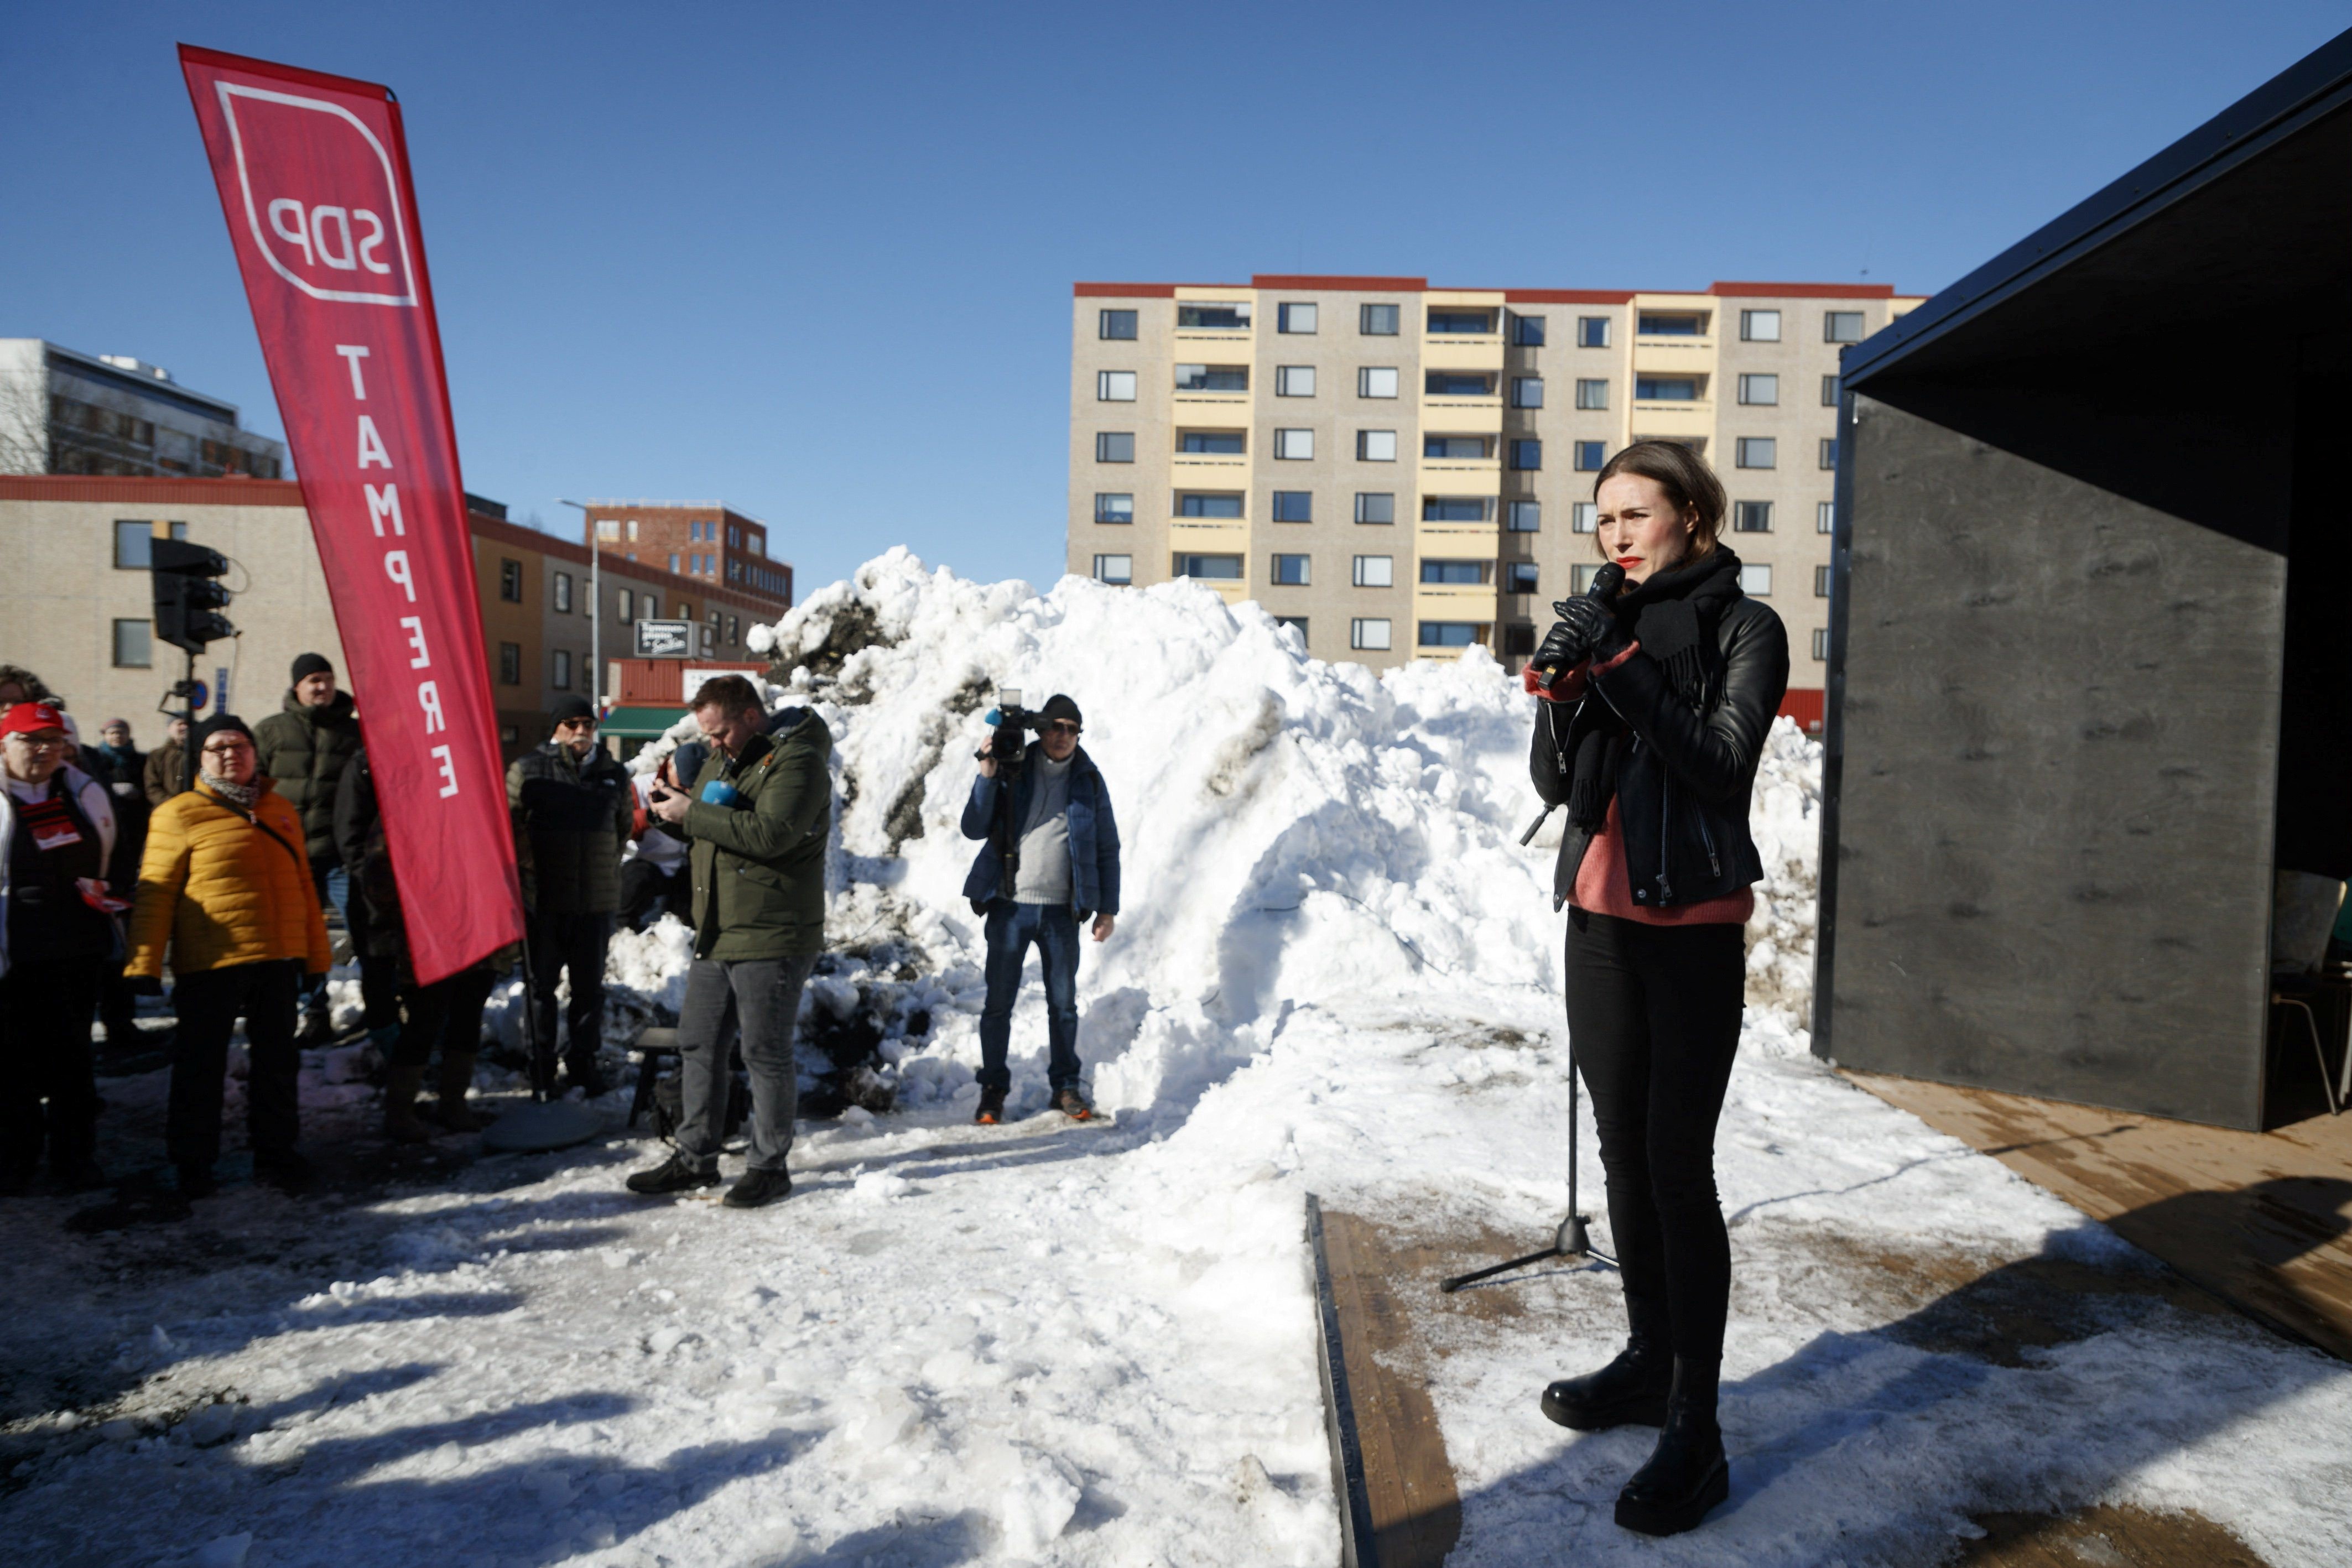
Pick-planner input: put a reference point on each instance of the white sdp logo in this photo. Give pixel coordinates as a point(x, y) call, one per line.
point(321, 198)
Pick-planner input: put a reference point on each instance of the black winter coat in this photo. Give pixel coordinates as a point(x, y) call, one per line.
point(571, 819)
point(305, 750)
point(1686, 773)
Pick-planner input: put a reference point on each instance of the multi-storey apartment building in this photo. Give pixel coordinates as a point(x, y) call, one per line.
point(75, 599)
point(62, 412)
point(705, 540)
point(1400, 471)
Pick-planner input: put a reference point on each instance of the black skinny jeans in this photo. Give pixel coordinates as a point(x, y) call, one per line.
point(1653, 1013)
point(45, 1057)
point(209, 1003)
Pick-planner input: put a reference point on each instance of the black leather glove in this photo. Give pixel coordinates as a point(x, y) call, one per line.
point(1594, 627)
point(1562, 649)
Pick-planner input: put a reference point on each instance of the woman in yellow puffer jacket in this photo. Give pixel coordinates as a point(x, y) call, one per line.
point(226, 886)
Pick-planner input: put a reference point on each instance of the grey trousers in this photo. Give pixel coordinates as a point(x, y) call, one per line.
point(761, 996)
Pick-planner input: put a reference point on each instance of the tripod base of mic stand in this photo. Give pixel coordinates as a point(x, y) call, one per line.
point(1570, 1240)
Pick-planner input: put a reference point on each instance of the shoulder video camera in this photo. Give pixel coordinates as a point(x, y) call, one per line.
point(1013, 723)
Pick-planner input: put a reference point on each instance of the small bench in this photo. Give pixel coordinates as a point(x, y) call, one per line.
point(654, 1043)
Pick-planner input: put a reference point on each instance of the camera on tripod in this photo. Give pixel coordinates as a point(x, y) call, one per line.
point(1010, 745)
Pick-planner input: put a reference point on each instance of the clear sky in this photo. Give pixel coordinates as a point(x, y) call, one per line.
point(816, 259)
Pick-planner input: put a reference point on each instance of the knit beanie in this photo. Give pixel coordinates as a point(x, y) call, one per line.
point(1059, 706)
point(567, 709)
point(216, 725)
point(311, 664)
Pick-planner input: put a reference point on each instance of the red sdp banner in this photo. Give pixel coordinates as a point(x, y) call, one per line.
point(313, 177)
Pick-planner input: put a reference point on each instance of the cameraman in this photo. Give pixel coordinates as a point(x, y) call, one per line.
point(756, 815)
point(1052, 838)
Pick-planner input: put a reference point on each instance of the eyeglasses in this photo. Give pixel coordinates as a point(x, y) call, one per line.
point(1062, 726)
point(227, 748)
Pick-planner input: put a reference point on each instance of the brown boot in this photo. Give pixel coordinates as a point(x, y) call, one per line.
point(457, 1077)
point(400, 1121)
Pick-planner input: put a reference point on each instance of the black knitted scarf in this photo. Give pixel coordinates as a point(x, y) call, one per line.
point(1673, 615)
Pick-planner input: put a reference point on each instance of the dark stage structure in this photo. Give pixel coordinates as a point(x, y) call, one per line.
point(2090, 649)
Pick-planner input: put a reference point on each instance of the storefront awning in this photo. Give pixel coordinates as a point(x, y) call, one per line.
point(641, 723)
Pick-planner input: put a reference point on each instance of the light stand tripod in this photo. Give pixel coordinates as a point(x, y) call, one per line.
point(1571, 1240)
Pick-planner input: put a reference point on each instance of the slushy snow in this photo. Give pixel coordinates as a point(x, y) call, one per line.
point(1335, 971)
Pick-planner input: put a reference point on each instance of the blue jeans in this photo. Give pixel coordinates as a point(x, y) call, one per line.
point(1011, 927)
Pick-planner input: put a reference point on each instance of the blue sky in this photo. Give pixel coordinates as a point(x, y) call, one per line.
point(816, 260)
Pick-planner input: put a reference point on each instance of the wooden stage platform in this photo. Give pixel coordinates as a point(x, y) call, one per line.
point(2263, 1221)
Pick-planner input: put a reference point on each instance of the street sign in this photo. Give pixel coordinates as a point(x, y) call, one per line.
point(665, 639)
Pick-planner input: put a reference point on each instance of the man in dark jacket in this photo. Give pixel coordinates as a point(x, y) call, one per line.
point(1051, 863)
point(757, 815)
point(167, 765)
point(120, 769)
point(305, 747)
point(572, 808)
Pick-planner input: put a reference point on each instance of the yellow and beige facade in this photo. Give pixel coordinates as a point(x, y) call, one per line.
point(1401, 471)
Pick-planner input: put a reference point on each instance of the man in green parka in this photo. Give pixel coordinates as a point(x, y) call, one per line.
point(757, 816)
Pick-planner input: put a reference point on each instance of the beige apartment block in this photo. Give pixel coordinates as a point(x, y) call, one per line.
point(1401, 471)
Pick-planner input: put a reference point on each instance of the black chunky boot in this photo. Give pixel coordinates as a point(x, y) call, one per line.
point(1630, 1391)
point(1687, 1473)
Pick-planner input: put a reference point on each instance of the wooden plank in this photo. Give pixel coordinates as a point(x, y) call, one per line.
point(1339, 1405)
point(2118, 1537)
point(1415, 1512)
point(2261, 1219)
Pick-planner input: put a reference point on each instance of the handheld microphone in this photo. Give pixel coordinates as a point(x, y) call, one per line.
point(1605, 583)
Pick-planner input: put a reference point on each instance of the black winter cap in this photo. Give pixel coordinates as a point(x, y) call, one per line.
point(1059, 706)
point(311, 664)
point(566, 709)
point(205, 730)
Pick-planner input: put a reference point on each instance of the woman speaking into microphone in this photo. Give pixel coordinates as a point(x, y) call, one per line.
point(1657, 699)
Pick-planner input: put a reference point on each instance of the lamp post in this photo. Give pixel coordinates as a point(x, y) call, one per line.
point(595, 613)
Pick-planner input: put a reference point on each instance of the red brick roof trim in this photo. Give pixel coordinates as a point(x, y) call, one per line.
point(1339, 281)
point(150, 491)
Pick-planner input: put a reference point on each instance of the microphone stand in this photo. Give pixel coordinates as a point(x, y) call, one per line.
point(1571, 1240)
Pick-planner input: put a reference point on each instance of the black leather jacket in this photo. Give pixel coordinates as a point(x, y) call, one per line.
point(1685, 775)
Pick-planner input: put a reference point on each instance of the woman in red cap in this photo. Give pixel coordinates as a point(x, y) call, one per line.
point(57, 831)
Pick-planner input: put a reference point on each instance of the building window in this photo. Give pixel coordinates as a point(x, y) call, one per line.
point(1527, 391)
point(1376, 380)
point(1214, 316)
point(1295, 318)
point(1527, 455)
point(560, 674)
point(649, 605)
point(132, 547)
point(632, 530)
point(1756, 452)
point(1665, 389)
point(1294, 505)
point(1525, 517)
point(1115, 569)
point(1115, 386)
point(1447, 634)
point(1590, 456)
point(1218, 568)
point(1456, 448)
point(1114, 446)
point(1519, 639)
point(1375, 571)
point(1519, 576)
point(1527, 331)
point(1671, 324)
point(1591, 392)
point(1368, 635)
point(134, 644)
point(1455, 573)
point(1193, 505)
point(1759, 390)
point(1297, 623)
point(1116, 325)
point(1583, 517)
point(1759, 326)
point(1376, 445)
point(1114, 506)
point(1592, 331)
point(608, 528)
point(1378, 321)
point(1751, 517)
point(1829, 392)
point(1375, 507)
point(1211, 443)
point(509, 663)
point(1842, 327)
point(1581, 576)
point(563, 593)
point(1293, 445)
point(1821, 582)
point(1821, 644)
point(1825, 517)
point(1829, 450)
point(1458, 508)
point(1293, 381)
point(1211, 378)
point(1290, 571)
point(735, 629)
point(511, 581)
point(1461, 323)
point(1459, 383)
point(1756, 578)
point(673, 561)
point(628, 604)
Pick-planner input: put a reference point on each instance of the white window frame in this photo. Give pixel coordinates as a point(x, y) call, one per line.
point(1756, 578)
point(1110, 522)
point(1584, 517)
point(1512, 513)
point(1376, 446)
point(1293, 445)
point(1102, 565)
point(1363, 496)
point(1748, 446)
point(1369, 379)
point(1374, 572)
point(1114, 386)
point(1296, 319)
point(1520, 386)
point(1759, 388)
point(1825, 516)
point(1306, 569)
point(1821, 644)
point(1759, 326)
point(1830, 319)
point(1293, 381)
point(1371, 633)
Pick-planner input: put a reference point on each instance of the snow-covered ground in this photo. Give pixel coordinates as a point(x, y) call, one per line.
point(1336, 972)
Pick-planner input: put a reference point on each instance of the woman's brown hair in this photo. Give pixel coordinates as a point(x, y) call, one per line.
point(1685, 478)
